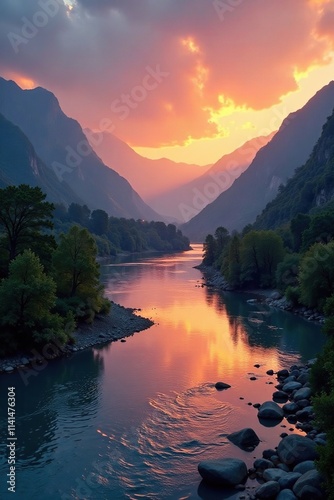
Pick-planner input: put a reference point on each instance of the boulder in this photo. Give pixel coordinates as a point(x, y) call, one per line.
point(303, 393)
point(270, 372)
point(245, 438)
point(283, 373)
point(220, 386)
point(268, 490)
point(310, 493)
point(305, 414)
point(286, 495)
point(280, 396)
point(294, 449)
point(223, 472)
point(267, 454)
point(292, 386)
point(287, 481)
point(310, 478)
point(290, 408)
point(9, 369)
point(303, 378)
point(273, 474)
point(271, 411)
point(262, 463)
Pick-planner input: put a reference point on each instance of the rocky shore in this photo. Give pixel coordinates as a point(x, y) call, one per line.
point(287, 472)
point(272, 298)
point(120, 323)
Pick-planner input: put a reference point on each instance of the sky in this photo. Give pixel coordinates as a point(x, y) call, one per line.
point(190, 80)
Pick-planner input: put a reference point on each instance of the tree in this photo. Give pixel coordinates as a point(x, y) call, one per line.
point(261, 251)
point(99, 222)
point(287, 272)
point(76, 273)
point(316, 275)
point(79, 214)
point(320, 230)
point(23, 214)
point(298, 225)
point(209, 250)
point(27, 298)
point(232, 262)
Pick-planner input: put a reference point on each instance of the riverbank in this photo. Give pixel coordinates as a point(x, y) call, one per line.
point(271, 297)
point(287, 471)
point(120, 323)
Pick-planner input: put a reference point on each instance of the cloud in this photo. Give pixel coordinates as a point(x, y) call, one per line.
point(101, 52)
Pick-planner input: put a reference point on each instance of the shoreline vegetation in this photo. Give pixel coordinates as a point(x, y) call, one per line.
point(121, 322)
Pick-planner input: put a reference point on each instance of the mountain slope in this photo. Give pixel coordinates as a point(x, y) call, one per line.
point(19, 164)
point(271, 167)
point(60, 142)
point(312, 185)
point(189, 199)
point(148, 177)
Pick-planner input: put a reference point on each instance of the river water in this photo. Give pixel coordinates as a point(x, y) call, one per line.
point(132, 420)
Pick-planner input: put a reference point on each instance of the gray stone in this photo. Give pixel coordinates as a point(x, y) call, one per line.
point(25, 361)
point(310, 478)
point(303, 378)
point(305, 466)
point(294, 449)
point(322, 435)
point(268, 490)
point(286, 495)
point(290, 408)
point(245, 438)
point(280, 396)
point(287, 481)
point(273, 474)
point(262, 463)
point(320, 442)
point(283, 467)
point(283, 373)
point(220, 386)
point(223, 472)
point(9, 369)
point(271, 411)
point(267, 454)
point(291, 386)
point(305, 414)
point(303, 393)
point(290, 378)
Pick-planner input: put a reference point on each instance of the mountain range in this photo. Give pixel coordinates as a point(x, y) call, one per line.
point(59, 142)
point(290, 148)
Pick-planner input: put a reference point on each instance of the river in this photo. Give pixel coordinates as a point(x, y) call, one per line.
point(132, 420)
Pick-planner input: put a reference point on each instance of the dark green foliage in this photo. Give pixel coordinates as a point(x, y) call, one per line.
point(231, 267)
point(316, 276)
point(298, 225)
point(320, 230)
point(209, 250)
point(28, 297)
point(287, 272)
point(23, 214)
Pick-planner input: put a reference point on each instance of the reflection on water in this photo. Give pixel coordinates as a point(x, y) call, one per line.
point(132, 420)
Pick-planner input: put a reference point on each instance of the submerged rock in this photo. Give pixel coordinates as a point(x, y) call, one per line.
point(220, 386)
point(223, 472)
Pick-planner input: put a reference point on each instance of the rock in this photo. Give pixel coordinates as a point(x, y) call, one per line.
point(270, 372)
point(271, 411)
point(262, 463)
point(282, 373)
point(310, 478)
point(290, 408)
point(245, 439)
point(291, 386)
point(294, 449)
point(276, 295)
point(290, 378)
point(25, 361)
point(310, 493)
point(287, 481)
point(286, 495)
point(252, 378)
point(273, 474)
point(283, 467)
point(223, 472)
point(305, 414)
point(280, 396)
point(267, 454)
point(303, 378)
point(220, 386)
point(303, 393)
point(302, 403)
point(320, 442)
point(268, 490)
point(292, 419)
point(256, 405)
point(9, 369)
point(257, 365)
point(304, 467)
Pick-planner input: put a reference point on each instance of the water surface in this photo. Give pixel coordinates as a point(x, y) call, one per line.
point(132, 420)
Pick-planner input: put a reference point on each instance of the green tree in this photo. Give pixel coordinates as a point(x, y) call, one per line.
point(321, 230)
point(27, 298)
point(261, 251)
point(232, 263)
point(316, 275)
point(24, 213)
point(79, 214)
point(287, 272)
point(76, 273)
point(209, 250)
point(99, 222)
point(298, 225)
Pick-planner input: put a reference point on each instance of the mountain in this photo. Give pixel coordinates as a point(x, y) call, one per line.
point(61, 144)
point(271, 167)
point(188, 200)
point(311, 187)
point(148, 177)
point(19, 164)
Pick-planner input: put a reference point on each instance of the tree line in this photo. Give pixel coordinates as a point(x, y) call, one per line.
point(113, 235)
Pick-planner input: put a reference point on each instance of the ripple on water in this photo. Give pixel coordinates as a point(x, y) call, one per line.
point(170, 441)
